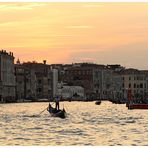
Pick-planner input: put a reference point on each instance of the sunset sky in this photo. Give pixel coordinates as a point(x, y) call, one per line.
point(103, 33)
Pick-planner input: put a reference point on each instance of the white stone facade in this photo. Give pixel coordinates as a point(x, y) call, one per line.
point(72, 92)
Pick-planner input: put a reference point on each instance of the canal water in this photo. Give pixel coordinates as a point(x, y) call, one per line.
point(87, 124)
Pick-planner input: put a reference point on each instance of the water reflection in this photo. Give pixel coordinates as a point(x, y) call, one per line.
point(86, 124)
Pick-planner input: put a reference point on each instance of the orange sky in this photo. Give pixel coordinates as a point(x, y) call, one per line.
point(105, 33)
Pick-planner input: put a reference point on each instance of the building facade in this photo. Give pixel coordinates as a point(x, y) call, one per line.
point(71, 93)
point(136, 81)
point(117, 93)
point(7, 78)
point(86, 75)
point(25, 83)
point(33, 81)
point(42, 79)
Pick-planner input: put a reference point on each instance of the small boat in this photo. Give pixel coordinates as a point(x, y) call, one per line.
point(98, 102)
point(56, 113)
point(132, 104)
point(137, 106)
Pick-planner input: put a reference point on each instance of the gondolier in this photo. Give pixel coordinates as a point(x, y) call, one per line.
point(57, 104)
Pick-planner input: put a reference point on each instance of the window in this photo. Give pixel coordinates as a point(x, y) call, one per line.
point(123, 85)
point(141, 85)
point(96, 75)
point(39, 81)
point(27, 80)
point(134, 85)
point(39, 90)
point(129, 85)
point(129, 78)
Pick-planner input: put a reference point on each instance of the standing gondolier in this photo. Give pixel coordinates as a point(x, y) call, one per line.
point(57, 102)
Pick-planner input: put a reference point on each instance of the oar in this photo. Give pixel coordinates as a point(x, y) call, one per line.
point(43, 110)
point(64, 109)
point(52, 103)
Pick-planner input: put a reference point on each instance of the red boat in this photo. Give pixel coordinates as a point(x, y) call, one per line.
point(132, 105)
point(137, 106)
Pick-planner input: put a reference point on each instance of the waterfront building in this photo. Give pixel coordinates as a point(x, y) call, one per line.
point(82, 74)
point(40, 77)
point(145, 72)
point(107, 81)
point(117, 93)
point(102, 81)
point(84, 81)
point(71, 93)
point(136, 81)
point(25, 83)
point(55, 82)
point(20, 82)
point(98, 83)
point(79, 76)
point(7, 78)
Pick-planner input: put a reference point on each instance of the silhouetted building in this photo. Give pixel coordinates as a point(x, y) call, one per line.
point(82, 74)
point(25, 83)
point(7, 78)
point(42, 74)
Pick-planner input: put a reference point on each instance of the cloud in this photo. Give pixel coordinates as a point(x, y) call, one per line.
point(19, 13)
point(62, 35)
point(84, 31)
point(96, 5)
point(79, 27)
point(84, 59)
point(19, 6)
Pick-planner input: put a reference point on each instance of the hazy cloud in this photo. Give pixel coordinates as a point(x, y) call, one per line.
point(19, 6)
point(60, 32)
point(93, 5)
point(79, 27)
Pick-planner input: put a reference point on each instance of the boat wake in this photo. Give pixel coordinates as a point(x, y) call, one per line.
point(31, 116)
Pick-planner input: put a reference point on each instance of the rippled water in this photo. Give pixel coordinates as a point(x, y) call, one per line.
point(86, 124)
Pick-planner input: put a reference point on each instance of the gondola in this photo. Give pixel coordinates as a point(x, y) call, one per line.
point(56, 113)
point(98, 102)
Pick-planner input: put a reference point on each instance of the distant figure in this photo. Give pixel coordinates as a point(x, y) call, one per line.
point(57, 100)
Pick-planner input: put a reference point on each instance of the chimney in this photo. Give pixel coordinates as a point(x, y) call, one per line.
point(18, 61)
point(44, 61)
